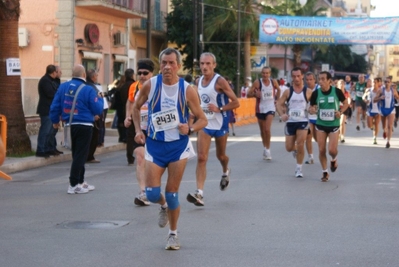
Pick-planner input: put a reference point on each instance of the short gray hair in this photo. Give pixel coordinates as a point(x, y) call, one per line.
point(169, 51)
point(208, 54)
point(309, 73)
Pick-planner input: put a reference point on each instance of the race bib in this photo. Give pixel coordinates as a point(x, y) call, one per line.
point(208, 113)
point(165, 120)
point(327, 114)
point(267, 95)
point(297, 114)
point(143, 119)
point(359, 94)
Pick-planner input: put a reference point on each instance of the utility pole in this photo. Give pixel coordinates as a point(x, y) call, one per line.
point(195, 37)
point(148, 54)
point(238, 46)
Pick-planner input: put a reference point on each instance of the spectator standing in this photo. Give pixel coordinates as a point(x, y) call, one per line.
point(88, 105)
point(92, 81)
point(120, 103)
point(145, 68)
point(47, 87)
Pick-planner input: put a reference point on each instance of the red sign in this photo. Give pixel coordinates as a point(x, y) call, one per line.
point(92, 33)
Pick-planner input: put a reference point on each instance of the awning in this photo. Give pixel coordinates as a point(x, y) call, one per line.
point(121, 58)
point(91, 55)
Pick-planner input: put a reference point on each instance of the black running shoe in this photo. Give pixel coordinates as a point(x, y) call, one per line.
point(325, 177)
point(333, 165)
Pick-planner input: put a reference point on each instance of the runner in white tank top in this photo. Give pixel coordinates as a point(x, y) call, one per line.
point(373, 112)
point(297, 121)
point(215, 93)
point(311, 84)
point(266, 91)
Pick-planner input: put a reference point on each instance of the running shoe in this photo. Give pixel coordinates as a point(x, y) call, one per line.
point(325, 177)
point(163, 217)
point(298, 173)
point(363, 124)
point(141, 200)
point(267, 155)
point(77, 189)
point(333, 165)
point(294, 154)
point(309, 161)
point(342, 140)
point(196, 198)
point(224, 182)
point(87, 186)
point(358, 128)
point(387, 145)
point(173, 242)
point(374, 141)
point(384, 135)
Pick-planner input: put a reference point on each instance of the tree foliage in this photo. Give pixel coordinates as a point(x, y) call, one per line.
point(222, 44)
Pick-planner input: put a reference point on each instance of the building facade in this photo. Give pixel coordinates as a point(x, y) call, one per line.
point(100, 34)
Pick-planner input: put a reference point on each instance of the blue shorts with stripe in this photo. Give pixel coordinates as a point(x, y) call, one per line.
point(162, 153)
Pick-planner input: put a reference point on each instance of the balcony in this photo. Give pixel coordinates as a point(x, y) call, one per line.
point(394, 52)
point(127, 9)
point(158, 25)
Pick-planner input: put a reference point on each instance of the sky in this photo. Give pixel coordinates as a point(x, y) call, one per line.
point(385, 8)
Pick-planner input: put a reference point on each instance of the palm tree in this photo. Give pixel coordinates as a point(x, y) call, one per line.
point(293, 8)
point(227, 19)
point(18, 141)
point(307, 10)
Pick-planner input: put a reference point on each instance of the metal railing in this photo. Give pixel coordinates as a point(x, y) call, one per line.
point(158, 22)
point(139, 6)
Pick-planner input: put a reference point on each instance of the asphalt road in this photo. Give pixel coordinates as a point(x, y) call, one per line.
point(266, 217)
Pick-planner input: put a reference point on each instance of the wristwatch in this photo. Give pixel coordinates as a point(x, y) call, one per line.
point(221, 108)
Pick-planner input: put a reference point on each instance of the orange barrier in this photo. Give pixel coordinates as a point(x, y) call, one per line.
point(3, 145)
point(245, 113)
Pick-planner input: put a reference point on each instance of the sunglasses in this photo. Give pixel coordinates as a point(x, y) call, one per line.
point(145, 73)
point(387, 81)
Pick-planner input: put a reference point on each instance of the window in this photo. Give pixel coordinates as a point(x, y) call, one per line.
point(89, 64)
point(119, 69)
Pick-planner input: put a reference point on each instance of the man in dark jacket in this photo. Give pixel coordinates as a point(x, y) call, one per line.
point(121, 96)
point(47, 87)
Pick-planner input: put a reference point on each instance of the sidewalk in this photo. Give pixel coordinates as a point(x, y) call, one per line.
point(12, 165)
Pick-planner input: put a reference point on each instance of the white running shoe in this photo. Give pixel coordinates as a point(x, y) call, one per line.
point(309, 161)
point(77, 189)
point(163, 217)
point(267, 155)
point(87, 186)
point(224, 182)
point(141, 200)
point(173, 243)
point(298, 173)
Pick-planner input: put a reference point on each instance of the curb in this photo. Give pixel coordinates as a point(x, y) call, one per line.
point(35, 162)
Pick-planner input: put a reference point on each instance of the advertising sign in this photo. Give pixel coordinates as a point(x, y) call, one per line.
point(323, 30)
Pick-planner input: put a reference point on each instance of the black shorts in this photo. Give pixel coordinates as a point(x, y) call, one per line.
point(361, 103)
point(292, 127)
point(327, 129)
point(263, 116)
point(135, 144)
